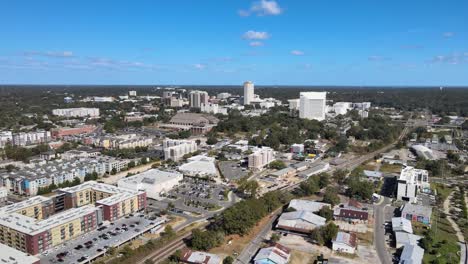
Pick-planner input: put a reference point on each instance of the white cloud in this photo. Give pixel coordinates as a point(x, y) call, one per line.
point(262, 8)
point(377, 58)
point(265, 7)
point(256, 43)
point(455, 58)
point(448, 34)
point(243, 13)
point(256, 35)
point(297, 52)
point(199, 66)
point(57, 54)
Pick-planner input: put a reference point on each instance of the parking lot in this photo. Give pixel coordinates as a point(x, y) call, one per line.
point(231, 170)
point(193, 195)
point(95, 243)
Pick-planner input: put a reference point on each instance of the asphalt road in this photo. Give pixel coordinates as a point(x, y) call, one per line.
point(379, 231)
point(254, 245)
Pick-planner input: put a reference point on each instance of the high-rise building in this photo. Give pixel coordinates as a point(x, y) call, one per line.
point(312, 105)
point(294, 104)
point(197, 98)
point(132, 93)
point(248, 92)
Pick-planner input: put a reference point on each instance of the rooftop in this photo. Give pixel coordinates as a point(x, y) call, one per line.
point(150, 177)
point(305, 205)
point(349, 239)
point(12, 256)
point(412, 254)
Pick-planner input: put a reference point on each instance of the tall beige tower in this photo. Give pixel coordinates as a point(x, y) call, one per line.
point(248, 92)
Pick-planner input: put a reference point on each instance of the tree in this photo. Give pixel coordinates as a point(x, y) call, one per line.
point(211, 140)
point(331, 196)
point(326, 213)
point(205, 240)
point(248, 187)
point(329, 232)
point(324, 180)
point(275, 237)
point(316, 236)
point(309, 186)
point(113, 171)
point(277, 164)
point(76, 181)
point(340, 176)
point(228, 260)
point(168, 231)
point(131, 164)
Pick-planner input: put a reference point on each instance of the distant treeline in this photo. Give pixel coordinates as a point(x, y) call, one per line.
point(17, 99)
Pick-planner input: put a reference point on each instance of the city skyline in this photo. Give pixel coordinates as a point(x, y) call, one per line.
point(207, 43)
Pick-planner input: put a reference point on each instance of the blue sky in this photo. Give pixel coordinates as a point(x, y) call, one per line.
point(293, 42)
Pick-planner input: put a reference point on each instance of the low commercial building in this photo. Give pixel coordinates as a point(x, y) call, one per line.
point(423, 152)
point(286, 172)
point(373, 175)
point(72, 131)
point(198, 257)
point(154, 182)
point(314, 168)
point(411, 254)
point(199, 165)
point(76, 112)
point(300, 221)
point(400, 224)
point(411, 182)
point(175, 149)
point(277, 254)
point(403, 238)
point(306, 205)
point(196, 123)
point(352, 211)
point(345, 242)
point(417, 213)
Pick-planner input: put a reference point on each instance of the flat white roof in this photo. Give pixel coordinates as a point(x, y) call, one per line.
point(314, 95)
point(305, 205)
point(152, 177)
point(23, 204)
point(12, 256)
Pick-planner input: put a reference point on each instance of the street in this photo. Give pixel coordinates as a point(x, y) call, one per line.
point(379, 231)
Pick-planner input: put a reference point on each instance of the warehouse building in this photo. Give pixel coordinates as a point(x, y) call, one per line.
point(154, 182)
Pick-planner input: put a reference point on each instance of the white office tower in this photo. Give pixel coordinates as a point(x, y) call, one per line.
point(294, 104)
point(312, 105)
point(248, 92)
point(411, 182)
point(260, 158)
point(132, 93)
point(176, 149)
point(197, 98)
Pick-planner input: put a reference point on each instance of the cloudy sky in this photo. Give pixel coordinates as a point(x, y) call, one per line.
point(294, 42)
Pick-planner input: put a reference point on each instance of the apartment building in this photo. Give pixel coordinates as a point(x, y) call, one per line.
point(71, 131)
point(260, 158)
point(24, 138)
point(176, 149)
point(76, 112)
point(42, 174)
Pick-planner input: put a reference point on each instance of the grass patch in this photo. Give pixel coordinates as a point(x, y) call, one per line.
point(301, 257)
point(390, 168)
point(442, 191)
point(366, 238)
point(444, 246)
